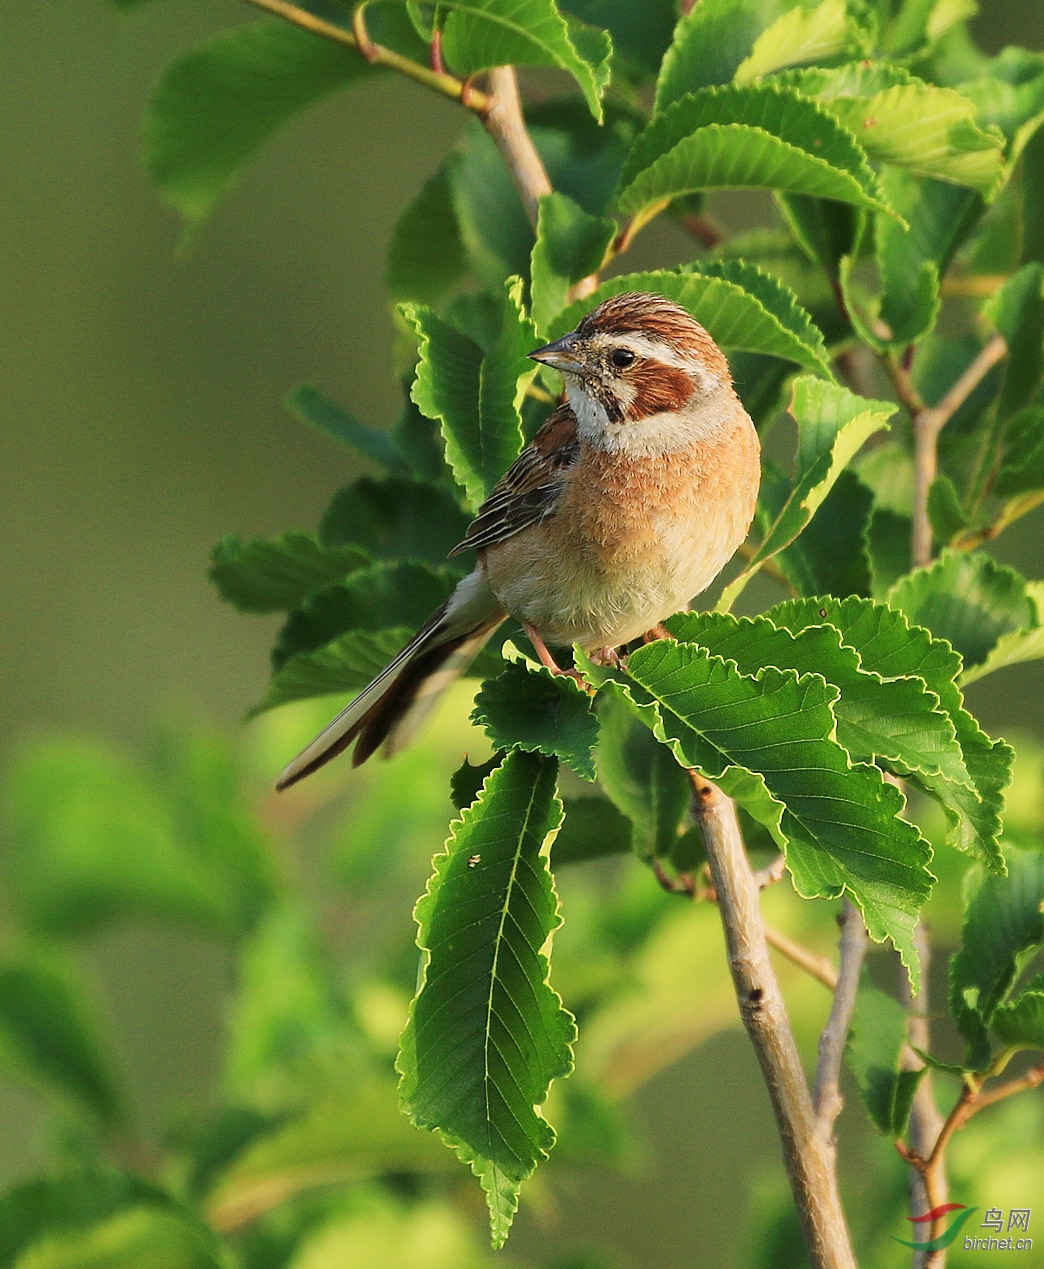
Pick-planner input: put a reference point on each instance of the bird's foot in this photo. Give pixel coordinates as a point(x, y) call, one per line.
point(540, 648)
point(608, 656)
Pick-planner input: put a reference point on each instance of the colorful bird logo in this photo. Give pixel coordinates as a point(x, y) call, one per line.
point(948, 1235)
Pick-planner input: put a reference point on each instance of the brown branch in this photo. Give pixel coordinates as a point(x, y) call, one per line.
point(853, 941)
point(1032, 1078)
point(928, 422)
point(808, 1155)
point(446, 85)
point(502, 118)
point(813, 964)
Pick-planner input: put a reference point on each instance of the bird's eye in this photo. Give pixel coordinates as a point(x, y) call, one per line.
point(621, 357)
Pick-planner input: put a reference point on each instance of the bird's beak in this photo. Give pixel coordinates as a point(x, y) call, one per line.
point(561, 354)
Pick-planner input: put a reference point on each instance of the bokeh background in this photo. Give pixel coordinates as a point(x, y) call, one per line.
point(140, 391)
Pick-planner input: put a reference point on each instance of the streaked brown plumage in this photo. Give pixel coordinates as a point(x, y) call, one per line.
point(627, 503)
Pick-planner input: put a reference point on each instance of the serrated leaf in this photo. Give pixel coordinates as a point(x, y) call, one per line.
point(641, 778)
point(48, 1031)
point(803, 35)
point(888, 645)
point(641, 34)
point(1017, 310)
point(1020, 1023)
point(902, 120)
point(308, 404)
point(592, 829)
point(898, 720)
point(918, 23)
point(711, 42)
point(768, 741)
point(395, 519)
point(475, 395)
point(467, 781)
point(216, 106)
point(1002, 926)
point(876, 1043)
point(345, 664)
point(967, 598)
point(275, 574)
point(487, 1034)
point(1022, 465)
point(527, 707)
point(763, 319)
point(426, 254)
point(569, 246)
point(833, 424)
point(375, 598)
point(480, 34)
point(1017, 645)
point(760, 136)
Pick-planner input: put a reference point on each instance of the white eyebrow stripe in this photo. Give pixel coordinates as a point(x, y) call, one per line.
point(643, 346)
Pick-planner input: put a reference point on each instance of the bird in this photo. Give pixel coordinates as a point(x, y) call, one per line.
point(627, 503)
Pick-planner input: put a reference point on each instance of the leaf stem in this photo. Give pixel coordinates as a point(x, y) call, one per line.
point(809, 1156)
point(853, 942)
point(440, 82)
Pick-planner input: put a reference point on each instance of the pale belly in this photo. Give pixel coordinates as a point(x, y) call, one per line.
point(613, 560)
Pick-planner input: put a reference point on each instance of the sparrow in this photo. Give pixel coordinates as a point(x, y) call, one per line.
point(627, 503)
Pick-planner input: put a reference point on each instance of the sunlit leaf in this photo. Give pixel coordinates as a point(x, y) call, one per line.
point(1015, 646)
point(760, 135)
point(768, 741)
point(487, 1034)
point(570, 245)
point(802, 36)
point(275, 574)
point(764, 318)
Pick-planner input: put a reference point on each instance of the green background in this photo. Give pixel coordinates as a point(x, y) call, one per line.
point(141, 393)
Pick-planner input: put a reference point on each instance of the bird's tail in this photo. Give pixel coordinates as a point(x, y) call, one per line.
point(391, 708)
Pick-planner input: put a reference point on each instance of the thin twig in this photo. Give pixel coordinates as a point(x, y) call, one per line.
point(926, 1123)
point(809, 1157)
point(827, 1095)
point(818, 967)
point(502, 118)
point(928, 422)
point(446, 85)
point(1032, 1078)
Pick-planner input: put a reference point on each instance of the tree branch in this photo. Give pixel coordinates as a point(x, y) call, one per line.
point(446, 85)
point(827, 1096)
point(809, 1157)
point(502, 118)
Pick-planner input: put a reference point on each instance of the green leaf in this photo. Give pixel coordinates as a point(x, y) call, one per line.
point(1018, 312)
point(967, 598)
point(876, 1044)
point(641, 778)
point(592, 829)
point(345, 664)
point(768, 741)
point(467, 781)
point(826, 230)
point(487, 1034)
point(101, 840)
point(912, 259)
point(760, 136)
point(527, 707)
point(1003, 925)
point(372, 599)
point(426, 255)
point(570, 245)
point(710, 44)
point(480, 34)
point(833, 424)
point(739, 305)
point(275, 574)
point(897, 720)
point(904, 121)
point(48, 1031)
point(804, 35)
point(830, 556)
point(338, 1140)
point(1022, 464)
point(640, 33)
point(308, 404)
point(1017, 645)
point(476, 396)
point(395, 519)
point(890, 646)
point(216, 106)
point(1020, 1023)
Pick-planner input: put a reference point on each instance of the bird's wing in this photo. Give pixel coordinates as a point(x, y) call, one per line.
point(531, 486)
